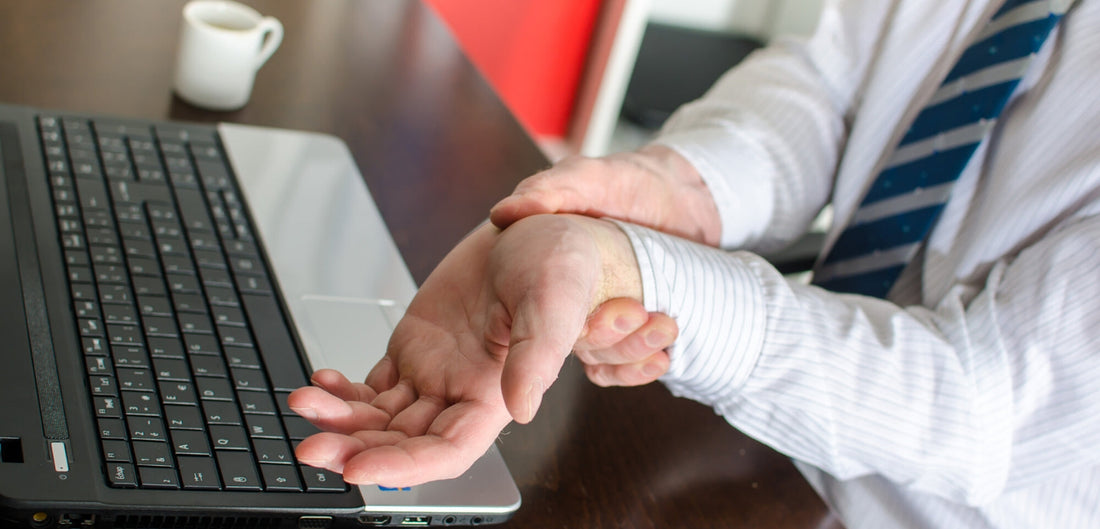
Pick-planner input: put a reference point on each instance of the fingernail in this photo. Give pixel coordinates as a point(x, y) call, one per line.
point(534, 398)
point(651, 369)
point(626, 324)
point(306, 413)
point(656, 339)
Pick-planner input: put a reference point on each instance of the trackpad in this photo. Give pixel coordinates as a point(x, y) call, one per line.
point(347, 334)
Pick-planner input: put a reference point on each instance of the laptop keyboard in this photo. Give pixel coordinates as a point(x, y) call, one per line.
point(189, 359)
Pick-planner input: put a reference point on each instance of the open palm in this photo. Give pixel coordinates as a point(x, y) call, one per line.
point(482, 340)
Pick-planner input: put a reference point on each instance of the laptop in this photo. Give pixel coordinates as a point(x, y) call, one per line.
point(163, 287)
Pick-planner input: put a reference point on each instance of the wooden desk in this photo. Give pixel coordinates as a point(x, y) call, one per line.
point(437, 148)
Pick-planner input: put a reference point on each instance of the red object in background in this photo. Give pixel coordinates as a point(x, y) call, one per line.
point(532, 52)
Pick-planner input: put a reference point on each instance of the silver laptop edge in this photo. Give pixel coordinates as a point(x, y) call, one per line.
point(345, 284)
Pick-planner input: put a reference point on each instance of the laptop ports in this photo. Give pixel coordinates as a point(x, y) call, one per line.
point(314, 522)
point(416, 520)
point(374, 519)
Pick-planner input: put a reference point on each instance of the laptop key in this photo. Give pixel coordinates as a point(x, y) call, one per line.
point(121, 475)
point(158, 478)
point(273, 341)
point(280, 477)
point(199, 473)
point(238, 471)
point(321, 480)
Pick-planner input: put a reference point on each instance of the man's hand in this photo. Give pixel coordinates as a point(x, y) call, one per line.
point(623, 345)
point(480, 343)
point(653, 187)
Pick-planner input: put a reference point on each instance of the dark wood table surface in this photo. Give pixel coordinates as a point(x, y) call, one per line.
point(437, 149)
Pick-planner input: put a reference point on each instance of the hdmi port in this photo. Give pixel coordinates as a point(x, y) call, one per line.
point(416, 520)
point(374, 519)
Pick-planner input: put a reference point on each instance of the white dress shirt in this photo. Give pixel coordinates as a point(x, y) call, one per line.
point(971, 398)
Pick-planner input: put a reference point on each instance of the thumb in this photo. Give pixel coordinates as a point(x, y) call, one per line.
point(520, 205)
point(543, 334)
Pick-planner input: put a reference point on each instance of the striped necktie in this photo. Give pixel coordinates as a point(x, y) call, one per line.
point(906, 198)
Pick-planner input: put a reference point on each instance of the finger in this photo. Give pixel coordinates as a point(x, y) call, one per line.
point(328, 450)
point(636, 374)
point(656, 334)
point(337, 384)
point(383, 376)
point(459, 436)
point(518, 206)
point(396, 399)
point(415, 419)
point(331, 413)
point(612, 321)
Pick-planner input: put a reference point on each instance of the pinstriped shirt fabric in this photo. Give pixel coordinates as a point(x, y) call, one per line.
point(970, 397)
point(907, 196)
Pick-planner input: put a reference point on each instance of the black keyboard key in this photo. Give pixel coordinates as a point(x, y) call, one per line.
point(214, 388)
point(226, 437)
point(103, 385)
point(144, 266)
point(158, 478)
point(280, 477)
point(196, 323)
point(238, 471)
point(112, 429)
point(140, 404)
point(125, 335)
point(112, 293)
point(199, 473)
point(149, 286)
point(188, 302)
point(129, 355)
point(115, 451)
point(242, 357)
point(121, 314)
point(222, 296)
point(298, 428)
point(190, 443)
point(160, 326)
point(94, 346)
point(320, 480)
point(160, 347)
point(248, 379)
point(209, 366)
point(155, 306)
point(234, 335)
point(146, 429)
point(107, 407)
point(178, 392)
point(221, 412)
point(153, 454)
point(121, 475)
point(201, 344)
point(264, 426)
point(183, 418)
point(274, 451)
point(274, 343)
point(98, 365)
point(171, 369)
point(135, 379)
point(256, 402)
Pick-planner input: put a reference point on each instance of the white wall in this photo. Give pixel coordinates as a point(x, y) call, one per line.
point(760, 18)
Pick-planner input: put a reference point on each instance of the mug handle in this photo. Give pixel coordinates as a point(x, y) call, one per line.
point(274, 30)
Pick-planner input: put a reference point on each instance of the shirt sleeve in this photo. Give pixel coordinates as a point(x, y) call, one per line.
point(767, 137)
point(993, 389)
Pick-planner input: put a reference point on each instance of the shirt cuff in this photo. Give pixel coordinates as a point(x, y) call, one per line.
point(744, 209)
point(717, 300)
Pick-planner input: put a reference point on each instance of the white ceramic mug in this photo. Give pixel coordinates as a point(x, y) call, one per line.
point(222, 46)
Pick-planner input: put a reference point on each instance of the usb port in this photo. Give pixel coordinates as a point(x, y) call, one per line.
point(416, 520)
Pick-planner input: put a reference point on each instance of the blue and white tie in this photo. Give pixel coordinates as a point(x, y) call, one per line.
point(907, 197)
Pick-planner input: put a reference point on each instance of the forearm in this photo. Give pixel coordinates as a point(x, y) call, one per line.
point(958, 400)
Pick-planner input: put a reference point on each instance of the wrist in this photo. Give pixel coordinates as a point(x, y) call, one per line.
point(619, 273)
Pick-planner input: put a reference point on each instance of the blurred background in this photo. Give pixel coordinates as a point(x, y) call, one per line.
point(599, 76)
